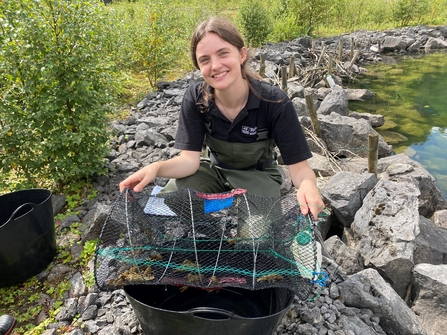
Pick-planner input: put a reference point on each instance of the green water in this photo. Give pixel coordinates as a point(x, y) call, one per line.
point(411, 92)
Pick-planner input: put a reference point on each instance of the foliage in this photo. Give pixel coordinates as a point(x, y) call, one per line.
point(88, 251)
point(54, 89)
point(27, 297)
point(151, 37)
point(254, 21)
point(308, 14)
point(348, 14)
point(286, 29)
point(409, 11)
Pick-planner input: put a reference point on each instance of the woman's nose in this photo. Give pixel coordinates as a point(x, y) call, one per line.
point(215, 63)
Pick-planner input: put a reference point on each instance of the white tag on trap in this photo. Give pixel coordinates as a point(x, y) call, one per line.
point(157, 206)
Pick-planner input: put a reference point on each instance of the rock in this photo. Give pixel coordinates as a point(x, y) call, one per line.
point(435, 43)
point(94, 221)
point(384, 231)
point(429, 292)
point(358, 94)
point(391, 43)
point(402, 168)
point(347, 258)
point(376, 120)
point(335, 102)
point(367, 289)
point(348, 137)
point(431, 244)
point(440, 218)
point(344, 193)
point(58, 202)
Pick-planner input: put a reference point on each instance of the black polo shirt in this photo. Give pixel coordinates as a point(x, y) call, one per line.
point(281, 118)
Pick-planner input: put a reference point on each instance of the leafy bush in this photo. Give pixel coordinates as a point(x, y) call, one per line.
point(254, 21)
point(409, 11)
point(55, 84)
point(150, 37)
point(286, 29)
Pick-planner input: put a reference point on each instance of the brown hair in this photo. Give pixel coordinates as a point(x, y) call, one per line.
point(229, 33)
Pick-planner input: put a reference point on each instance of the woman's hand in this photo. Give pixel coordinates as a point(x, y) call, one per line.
point(140, 179)
point(180, 166)
point(309, 199)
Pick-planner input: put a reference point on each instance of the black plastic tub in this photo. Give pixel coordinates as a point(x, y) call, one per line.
point(163, 310)
point(27, 236)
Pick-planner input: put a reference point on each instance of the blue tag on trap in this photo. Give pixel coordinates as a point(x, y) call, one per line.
point(215, 205)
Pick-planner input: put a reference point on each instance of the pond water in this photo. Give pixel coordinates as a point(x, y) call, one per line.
point(411, 92)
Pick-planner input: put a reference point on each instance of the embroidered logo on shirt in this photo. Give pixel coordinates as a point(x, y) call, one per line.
point(249, 130)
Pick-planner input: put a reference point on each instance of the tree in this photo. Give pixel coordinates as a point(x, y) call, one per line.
point(54, 86)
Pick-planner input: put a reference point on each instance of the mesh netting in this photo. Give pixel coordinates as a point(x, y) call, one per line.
point(208, 241)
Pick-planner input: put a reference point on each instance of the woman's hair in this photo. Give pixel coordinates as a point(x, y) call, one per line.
point(229, 33)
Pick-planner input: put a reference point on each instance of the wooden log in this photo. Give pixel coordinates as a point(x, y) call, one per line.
point(292, 67)
point(313, 114)
point(351, 53)
point(262, 66)
point(340, 51)
point(373, 152)
point(284, 78)
point(329, 66)
point(356, 54)
point(323, 51)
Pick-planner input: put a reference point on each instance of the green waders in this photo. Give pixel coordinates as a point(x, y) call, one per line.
point(211, 178)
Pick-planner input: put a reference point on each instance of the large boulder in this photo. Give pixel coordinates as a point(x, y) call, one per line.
point(367, 289)
point(431, 243)
point(336, 101)
point(403, 168)
point(384, 231)
point(344, 256)
point(345, 191)
point(348, 136)
point(435, 43)
point(429, 294)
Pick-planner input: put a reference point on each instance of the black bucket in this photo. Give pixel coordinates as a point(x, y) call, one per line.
point(27, 236)
point(163, 310)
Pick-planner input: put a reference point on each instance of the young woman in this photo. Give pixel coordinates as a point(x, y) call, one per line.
point(241, 119)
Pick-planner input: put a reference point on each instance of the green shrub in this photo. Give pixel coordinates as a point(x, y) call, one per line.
point(409, 11)
point(150, 37)
point(55, 84)
point(254, 21)
point(286, 28)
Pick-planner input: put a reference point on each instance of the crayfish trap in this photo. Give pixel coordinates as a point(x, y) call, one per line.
point(208, 241)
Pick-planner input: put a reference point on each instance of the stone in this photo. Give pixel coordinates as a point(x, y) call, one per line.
point(429, 292)
point(367, 289)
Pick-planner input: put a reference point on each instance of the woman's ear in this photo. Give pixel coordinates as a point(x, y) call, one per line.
point(243, 55)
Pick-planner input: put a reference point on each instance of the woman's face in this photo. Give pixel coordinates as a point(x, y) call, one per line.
point(219, 61)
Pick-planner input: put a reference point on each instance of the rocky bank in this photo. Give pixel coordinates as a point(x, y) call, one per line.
point(385, 235)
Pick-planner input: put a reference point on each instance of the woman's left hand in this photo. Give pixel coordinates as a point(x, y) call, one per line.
point(309, 199)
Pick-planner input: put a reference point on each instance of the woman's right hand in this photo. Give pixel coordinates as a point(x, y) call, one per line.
point(138, 180)
point(180, 166)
